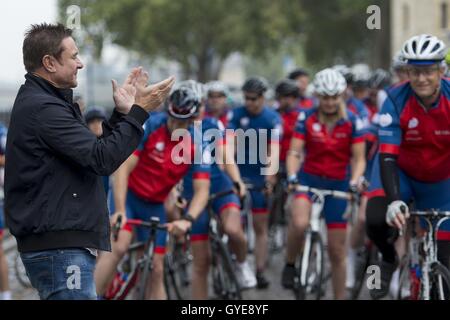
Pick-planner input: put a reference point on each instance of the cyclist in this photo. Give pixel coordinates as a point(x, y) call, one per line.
point(414, 153)
point(217, 103)
point(5, 293)
point(255, 119)
point(399, 67)
point(287, 95)
point(227, 207)
point(144, 181)
point(326, 141)
point(94, 118)
point(301, 76)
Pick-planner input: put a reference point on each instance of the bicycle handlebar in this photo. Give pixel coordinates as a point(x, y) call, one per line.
point(334, 193)
point(431, 213)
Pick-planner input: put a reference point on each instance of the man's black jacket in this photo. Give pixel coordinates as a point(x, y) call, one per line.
point(54, 195)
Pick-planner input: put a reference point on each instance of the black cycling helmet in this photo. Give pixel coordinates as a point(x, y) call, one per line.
point(287, 88)
point(380, 79)
point(256, 85)
point(184, 103)
point(95, 113)
point(298, 73)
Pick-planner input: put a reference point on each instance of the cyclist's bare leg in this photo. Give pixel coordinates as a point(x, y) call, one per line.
point(261, 226)
point(301, 209)
point(358, 230)
point(231, 221)
point(200, 268)
point(155, 287)
point(4, 282)
point(106, 267)
point(337, 253)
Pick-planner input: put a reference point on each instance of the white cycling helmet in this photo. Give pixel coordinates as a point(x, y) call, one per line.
point(329, 82)
point(398, 61)
point(217, 86)
point(197, 87)
point(424, 49)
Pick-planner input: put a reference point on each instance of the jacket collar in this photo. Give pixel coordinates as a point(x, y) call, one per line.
point(65, 94)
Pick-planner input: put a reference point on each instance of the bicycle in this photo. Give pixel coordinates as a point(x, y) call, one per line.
point(278, 217)
point(176, 262)
point(132, 274)
point(309, 279)
point(225, 282)
point(422, 276)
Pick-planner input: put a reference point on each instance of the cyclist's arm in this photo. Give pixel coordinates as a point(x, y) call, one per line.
point(120, 182)
point(358, 161)
point(295, 156)
point(230, 165)
point(200, 198)
point(390, 135)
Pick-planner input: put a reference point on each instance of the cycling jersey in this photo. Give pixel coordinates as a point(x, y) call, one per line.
point(220, 181)
point(266, 128)
point(328, 154)
point(156, 173)
point(306, 102)
point(426, 195)
point(289, 119)
point(420, 138)
point(361, 113)
point(224, 117)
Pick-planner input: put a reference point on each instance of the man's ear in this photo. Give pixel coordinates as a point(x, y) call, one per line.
point(48, 62)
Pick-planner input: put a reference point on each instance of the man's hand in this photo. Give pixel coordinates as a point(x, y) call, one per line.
point(151, 97)
point(124, 96)
point(241, 188)
point(115, 217)
point(397, 214)
point(179, 228)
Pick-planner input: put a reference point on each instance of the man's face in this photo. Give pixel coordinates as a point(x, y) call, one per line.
point(287, 102)
point(217, 101)
point(329, 105)
point(95, 126)
point(174, 123)
point(302, 83)
point(425, 80)
point(66, 67)
point(254, 102)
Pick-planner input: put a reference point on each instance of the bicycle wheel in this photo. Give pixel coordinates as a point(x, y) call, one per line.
point(145, 274)
point(439, 282)
point(171, 281)
point(225, 283)
point(310, 267)
point(21, 273)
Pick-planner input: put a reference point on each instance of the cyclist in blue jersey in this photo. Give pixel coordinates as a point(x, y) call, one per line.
point(5, 293)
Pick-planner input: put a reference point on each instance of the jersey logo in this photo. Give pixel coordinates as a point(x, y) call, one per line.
point(316, 127)
point(413, 123)
point(385, 120)
point(301, 116)
point(245, 122)
point(160, 146)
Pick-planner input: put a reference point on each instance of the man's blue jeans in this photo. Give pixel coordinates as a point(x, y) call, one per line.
point(62, 274)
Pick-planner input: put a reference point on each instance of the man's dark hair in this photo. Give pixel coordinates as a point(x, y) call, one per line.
point(298, 73)
point(43, 39)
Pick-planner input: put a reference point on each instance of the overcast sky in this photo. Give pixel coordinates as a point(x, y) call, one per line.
point(15, 17)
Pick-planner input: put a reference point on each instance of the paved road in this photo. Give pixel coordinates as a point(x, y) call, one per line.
point(274, 292)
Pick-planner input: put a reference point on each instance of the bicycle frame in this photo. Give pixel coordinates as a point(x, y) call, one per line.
point(144, 263)
point(429, 245)
point(318, 202)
